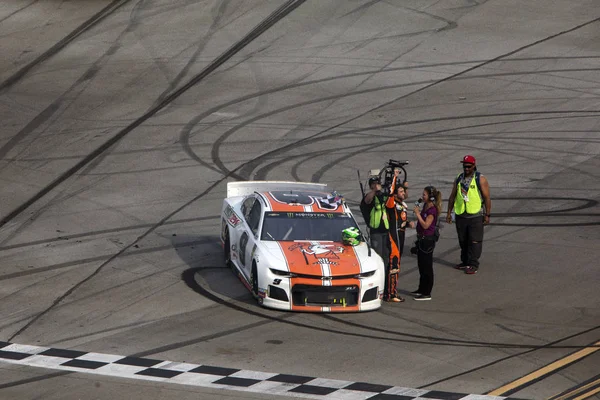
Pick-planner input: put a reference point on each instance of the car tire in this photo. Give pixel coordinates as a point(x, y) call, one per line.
point(254, 279)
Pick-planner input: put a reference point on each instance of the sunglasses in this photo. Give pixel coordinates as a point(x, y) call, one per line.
point(467, 166)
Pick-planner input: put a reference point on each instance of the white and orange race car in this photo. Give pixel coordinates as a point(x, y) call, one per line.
point(284, 241)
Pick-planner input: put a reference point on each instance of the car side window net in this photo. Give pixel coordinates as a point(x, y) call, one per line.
point(254, 216)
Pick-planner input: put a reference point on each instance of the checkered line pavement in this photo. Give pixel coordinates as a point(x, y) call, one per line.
point(216, 377)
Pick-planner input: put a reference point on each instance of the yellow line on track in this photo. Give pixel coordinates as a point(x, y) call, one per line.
point(579, 390)
point(588, 394)
point(571, 358)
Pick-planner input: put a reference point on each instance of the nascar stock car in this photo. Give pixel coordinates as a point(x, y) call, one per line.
point(284, 241)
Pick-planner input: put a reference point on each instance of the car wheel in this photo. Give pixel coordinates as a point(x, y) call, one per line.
point(227, 249)
point(254, 279)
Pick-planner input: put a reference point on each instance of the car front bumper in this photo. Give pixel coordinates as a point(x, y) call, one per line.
point(317, 294)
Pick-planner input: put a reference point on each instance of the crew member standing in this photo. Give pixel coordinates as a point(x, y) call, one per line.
point(471, 202)
point(375, 207)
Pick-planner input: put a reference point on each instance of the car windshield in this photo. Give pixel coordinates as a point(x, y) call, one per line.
point(305, 226)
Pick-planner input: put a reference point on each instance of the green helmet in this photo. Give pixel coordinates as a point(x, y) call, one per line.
point(351, 236)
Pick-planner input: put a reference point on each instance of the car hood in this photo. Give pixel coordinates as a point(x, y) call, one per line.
point(321, 258)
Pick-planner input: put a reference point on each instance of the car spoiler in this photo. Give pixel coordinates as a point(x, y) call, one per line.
point(244, 188)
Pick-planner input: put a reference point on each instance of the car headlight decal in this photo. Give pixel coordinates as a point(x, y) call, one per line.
point(366, 274)
point(278, 272)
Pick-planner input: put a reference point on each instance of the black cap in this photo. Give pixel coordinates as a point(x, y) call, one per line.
point(374, 179)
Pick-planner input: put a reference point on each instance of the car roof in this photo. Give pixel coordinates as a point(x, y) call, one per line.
point(302, 201)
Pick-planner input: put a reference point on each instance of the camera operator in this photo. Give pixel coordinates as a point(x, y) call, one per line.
point(375, 206)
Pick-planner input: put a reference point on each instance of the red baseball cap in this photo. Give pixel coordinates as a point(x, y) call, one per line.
point(468, 159)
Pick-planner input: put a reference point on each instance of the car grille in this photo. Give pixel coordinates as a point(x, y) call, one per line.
point(329, 296)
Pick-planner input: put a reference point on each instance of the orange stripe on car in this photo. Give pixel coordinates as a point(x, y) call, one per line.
point(280, 206)
point(344, 309)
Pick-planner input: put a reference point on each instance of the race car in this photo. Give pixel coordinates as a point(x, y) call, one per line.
point(284, 241)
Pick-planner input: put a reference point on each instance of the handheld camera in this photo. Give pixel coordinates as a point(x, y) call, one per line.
point(386, 175)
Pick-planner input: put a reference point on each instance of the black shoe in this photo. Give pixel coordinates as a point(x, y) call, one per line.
point(461, 266)
point(422, 297)
point(471, 270)
point(416, 293)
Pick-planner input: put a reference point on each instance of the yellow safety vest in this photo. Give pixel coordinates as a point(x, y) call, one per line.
point(474, 203)
point(378, 213)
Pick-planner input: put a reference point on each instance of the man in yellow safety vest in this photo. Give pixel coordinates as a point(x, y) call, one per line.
point(471, 202)
point(375, 206)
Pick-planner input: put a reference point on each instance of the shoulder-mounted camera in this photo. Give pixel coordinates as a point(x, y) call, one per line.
point(386, 175)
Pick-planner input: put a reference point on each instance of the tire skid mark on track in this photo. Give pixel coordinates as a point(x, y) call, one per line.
point(18, 10)
point(277, 15)
point(187, 130)
point(34, 379)
point(201, 45)
point(134, 20)
point(546, 371)
point(316, 138)
point(122, 327)
point(551, 345)
point(86, 26)
point(215, 153)
point(394, 336)
point(115, 328)
point(78, 87)
point(194, 200)
point(106, 258)
point(281, 12)
point(413, 137)
point(104, 231)
point(217, 160)
point(163, 348)
point(580, 391)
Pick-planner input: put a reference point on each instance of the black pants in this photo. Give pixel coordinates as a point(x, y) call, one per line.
point(425, 247)
point(470, 239)
point(401, 235)
point(380, 242)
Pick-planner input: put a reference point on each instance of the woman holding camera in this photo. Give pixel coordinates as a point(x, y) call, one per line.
point(426, 224)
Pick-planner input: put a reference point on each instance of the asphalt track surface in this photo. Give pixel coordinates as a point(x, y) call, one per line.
point(122, 121)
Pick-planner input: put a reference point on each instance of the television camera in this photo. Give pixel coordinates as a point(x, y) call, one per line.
point(385, 176)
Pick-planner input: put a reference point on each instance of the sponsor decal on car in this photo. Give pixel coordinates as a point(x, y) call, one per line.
point(262, 293)
point(232, 217)
point(318, 253)
point(307, 201)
